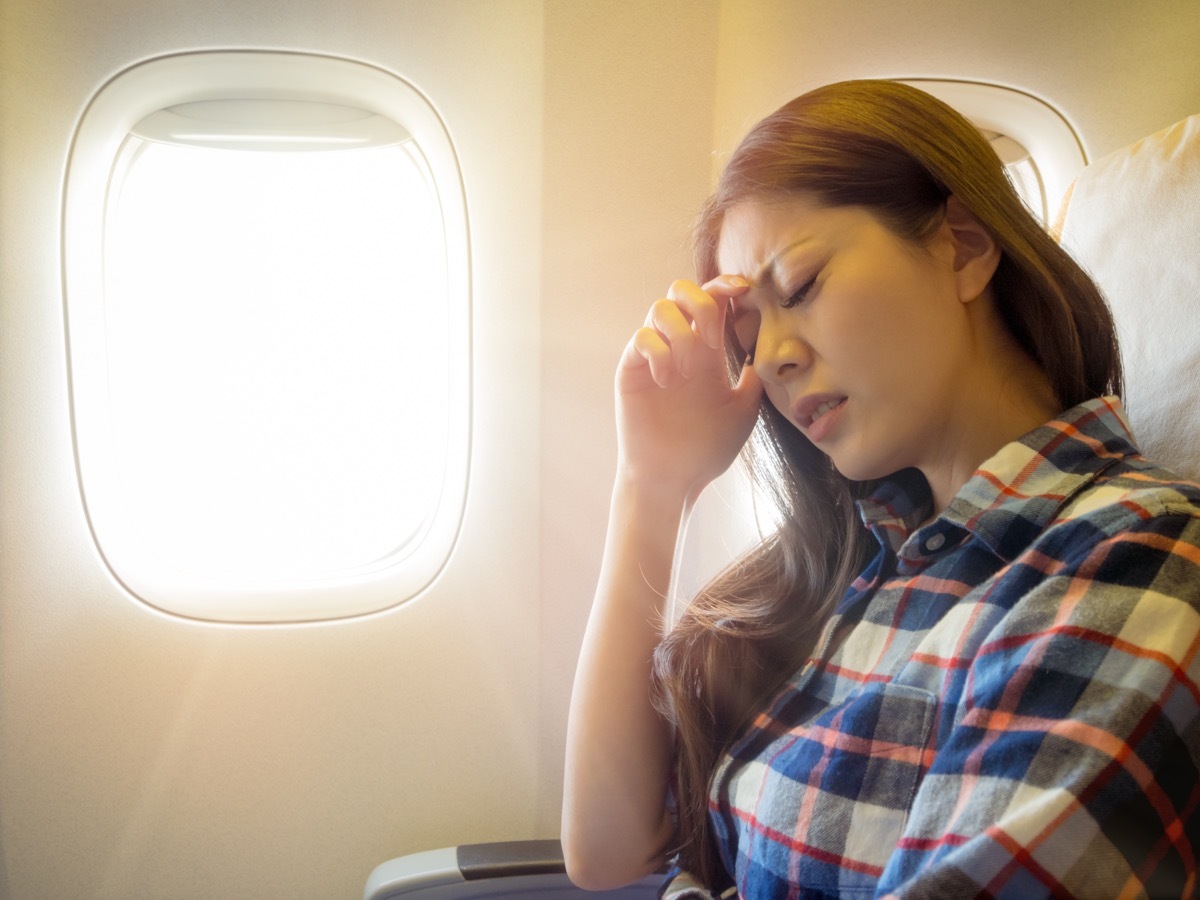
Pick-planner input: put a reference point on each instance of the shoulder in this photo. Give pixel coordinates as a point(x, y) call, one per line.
point(1102, 610)
point(1130, 492)
point(1129, 540)
point(1133, 514)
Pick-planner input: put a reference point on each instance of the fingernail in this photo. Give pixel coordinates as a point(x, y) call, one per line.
point(738, 281)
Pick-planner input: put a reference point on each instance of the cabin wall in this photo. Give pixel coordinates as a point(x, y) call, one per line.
point(148, 756)
point(1117, 71)
point(628, 131)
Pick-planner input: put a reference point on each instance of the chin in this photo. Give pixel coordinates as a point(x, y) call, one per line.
point(858, 469)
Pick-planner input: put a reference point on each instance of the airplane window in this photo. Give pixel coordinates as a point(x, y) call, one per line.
point(1022, 171)
point(1040, 149)
point(1028, 181)
point(266, 424)
point(269, 316)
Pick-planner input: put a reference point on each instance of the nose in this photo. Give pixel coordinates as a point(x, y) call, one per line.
point(780, 354)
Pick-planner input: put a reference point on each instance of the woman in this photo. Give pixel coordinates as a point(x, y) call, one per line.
point(966, 662)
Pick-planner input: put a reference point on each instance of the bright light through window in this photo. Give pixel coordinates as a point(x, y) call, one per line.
point(267, 284)
point(271, 320)
point(1028, 182)
point(1022, 172)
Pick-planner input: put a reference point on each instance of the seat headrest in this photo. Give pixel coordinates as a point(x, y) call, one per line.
point(1132, 219)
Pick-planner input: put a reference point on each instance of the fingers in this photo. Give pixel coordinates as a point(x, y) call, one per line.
point(683, 329)
point(726, 286)
point(749, 388)
point(709, 313)
point(648, 348)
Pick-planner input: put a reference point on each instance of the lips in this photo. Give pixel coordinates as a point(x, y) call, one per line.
point(816, 414)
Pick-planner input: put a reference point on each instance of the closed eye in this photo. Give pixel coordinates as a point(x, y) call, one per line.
point(799, 296)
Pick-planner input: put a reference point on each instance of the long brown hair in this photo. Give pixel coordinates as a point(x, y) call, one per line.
point(899, 153)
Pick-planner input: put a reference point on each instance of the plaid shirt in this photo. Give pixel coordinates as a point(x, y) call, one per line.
point(1015, 711)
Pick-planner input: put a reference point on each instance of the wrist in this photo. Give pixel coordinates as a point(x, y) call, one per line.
point(655, 493)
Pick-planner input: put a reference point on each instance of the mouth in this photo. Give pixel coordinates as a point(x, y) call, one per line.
point(817, 414)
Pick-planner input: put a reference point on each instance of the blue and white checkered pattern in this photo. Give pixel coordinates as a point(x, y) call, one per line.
point(1005, 703)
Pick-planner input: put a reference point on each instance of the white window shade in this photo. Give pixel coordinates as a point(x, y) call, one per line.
point(283, 125)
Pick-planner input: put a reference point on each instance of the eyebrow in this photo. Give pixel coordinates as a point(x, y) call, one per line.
point(772, 264)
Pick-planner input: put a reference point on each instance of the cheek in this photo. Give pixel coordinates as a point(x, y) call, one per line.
point(779, 399)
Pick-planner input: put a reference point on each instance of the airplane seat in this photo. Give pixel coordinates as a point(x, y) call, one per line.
point(1132, 219)
point(509, 869)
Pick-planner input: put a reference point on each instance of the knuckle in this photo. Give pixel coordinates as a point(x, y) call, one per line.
point(662, 306)
point(645, 338)
point(665, 314)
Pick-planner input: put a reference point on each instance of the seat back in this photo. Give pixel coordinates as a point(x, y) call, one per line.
point(1132, 219)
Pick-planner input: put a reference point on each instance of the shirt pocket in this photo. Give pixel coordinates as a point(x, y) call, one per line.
point(836, 792)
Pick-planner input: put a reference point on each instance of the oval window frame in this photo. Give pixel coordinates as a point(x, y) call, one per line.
point(1056, 148)
point(106, 122)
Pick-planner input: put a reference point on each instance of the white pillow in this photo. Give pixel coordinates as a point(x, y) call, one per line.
point(1132, 219)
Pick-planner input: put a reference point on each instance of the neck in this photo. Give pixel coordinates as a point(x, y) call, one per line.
point(1005, 398)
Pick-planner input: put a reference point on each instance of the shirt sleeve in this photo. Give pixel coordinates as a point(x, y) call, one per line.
point(1072, 766)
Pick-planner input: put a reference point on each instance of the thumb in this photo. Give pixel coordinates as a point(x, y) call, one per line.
point(748, 391)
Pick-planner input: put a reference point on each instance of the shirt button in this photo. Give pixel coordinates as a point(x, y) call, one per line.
point(935, 543)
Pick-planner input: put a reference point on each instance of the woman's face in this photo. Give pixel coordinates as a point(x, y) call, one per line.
point(860, 338)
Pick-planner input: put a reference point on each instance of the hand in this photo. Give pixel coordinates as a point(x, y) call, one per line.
point(680, 423)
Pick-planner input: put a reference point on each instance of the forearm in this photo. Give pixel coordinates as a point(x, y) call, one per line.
point(679, 425)
point(615, 824)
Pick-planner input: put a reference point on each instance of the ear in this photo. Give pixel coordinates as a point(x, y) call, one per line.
point(976, 255)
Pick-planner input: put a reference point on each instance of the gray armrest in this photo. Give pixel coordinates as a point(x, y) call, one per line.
point(509, 869)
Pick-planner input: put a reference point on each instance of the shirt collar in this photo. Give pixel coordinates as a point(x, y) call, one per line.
point(1016, 493)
